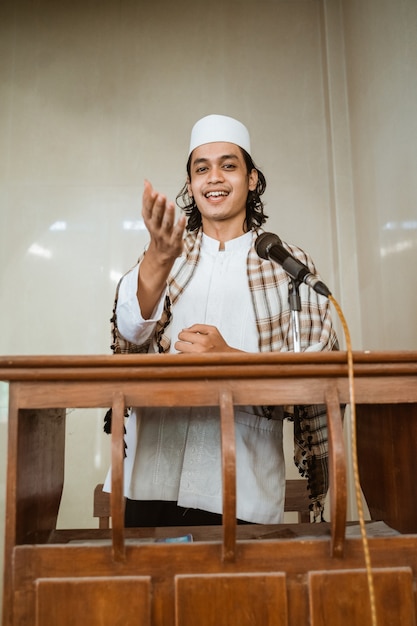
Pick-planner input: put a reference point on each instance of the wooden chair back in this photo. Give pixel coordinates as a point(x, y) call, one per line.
point(296, 501)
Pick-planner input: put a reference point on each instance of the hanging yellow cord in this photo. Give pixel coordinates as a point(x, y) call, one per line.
point(355, 463)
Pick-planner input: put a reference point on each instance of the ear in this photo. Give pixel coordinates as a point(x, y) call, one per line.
point(253, 179)
point(190, 193)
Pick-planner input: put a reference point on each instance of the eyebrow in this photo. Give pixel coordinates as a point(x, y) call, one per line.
point(224, 157)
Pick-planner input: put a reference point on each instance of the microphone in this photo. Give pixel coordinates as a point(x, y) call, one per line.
point(269, 246)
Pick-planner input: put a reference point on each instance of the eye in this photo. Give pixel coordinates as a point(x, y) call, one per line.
point(201, 169)
point(229, 166)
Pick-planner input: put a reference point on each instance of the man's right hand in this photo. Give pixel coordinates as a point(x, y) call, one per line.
point(159, 217)
point(166, 244)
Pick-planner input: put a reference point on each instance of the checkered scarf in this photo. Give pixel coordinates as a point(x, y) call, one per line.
point(269, 285)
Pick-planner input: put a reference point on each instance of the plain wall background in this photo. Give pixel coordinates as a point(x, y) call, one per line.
point(98, 95)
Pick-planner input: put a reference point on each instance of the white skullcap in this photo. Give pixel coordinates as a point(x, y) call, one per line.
point(219, 128)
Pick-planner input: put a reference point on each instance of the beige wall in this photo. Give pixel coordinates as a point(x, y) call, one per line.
point(98, 95)
point(381, 61)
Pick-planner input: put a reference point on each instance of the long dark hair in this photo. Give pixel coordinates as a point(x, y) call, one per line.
point(255, 215)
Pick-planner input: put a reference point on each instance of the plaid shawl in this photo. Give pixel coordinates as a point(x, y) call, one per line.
point(268, 283)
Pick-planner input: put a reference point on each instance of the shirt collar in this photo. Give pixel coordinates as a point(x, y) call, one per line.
point(239, 243)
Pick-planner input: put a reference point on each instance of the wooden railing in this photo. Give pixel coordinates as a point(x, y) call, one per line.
point(42, 388)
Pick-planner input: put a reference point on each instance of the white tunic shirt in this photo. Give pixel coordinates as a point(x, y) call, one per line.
point(175, 453)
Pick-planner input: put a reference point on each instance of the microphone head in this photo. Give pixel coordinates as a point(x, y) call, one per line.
point(264, 242)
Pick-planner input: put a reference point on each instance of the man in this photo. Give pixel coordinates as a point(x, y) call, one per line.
point(200, 287)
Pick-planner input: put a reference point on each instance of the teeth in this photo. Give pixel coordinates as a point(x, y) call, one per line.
point(215, 194)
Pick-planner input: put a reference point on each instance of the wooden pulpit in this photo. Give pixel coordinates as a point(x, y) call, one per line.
point(246, 575)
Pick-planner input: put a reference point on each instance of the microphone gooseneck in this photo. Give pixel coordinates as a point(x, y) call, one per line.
point(269, 246)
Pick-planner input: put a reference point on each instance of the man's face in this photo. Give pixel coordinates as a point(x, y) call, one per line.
point(220, 182)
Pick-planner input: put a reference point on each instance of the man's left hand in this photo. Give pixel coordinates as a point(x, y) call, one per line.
point(200, 338)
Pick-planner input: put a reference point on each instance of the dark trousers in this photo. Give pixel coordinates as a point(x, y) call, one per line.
point(148, 513)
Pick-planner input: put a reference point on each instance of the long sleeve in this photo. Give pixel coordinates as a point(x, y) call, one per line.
point(132, 333)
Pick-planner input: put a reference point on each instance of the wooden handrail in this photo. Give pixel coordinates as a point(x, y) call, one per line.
point(173, 366)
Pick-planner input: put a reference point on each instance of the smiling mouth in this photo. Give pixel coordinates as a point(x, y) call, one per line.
point(216, 194)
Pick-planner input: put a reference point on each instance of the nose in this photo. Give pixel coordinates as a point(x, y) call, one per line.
point(215, 174)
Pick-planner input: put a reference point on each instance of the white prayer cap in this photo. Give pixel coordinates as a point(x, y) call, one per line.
point(219, 128)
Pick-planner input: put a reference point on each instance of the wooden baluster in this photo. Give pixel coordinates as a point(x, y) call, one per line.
point(337, 472)
point(117, 461)
point(228, 474)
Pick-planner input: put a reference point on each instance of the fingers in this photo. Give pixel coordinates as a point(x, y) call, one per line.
point(201, 338)
point(148, 199)
point(159, 214)
point(190, 337)
point(178, 229)
point(155, 205)
point(190, 340)
point(187, 347)
point(202, 329)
